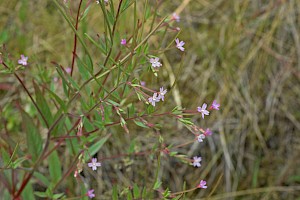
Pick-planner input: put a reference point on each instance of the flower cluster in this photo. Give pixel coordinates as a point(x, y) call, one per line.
point(157, 96)
point(203, 111)
point(201, 137)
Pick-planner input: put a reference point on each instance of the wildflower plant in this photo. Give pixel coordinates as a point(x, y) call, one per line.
point(74, 123)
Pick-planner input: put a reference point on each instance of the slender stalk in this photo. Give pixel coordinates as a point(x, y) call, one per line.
point(75, 38)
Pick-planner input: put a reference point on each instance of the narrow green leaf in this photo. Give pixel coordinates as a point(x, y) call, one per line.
point(5, 157)
point(125, 5)
point(68, 77)
point(144, 193)
point(115, 192)
point(157, 185)
point(58, 196)
point(83, 70)
point(42, 104)
point(3, 36)
point(60, 126)
point(88, 126)
point(132, 146)
point(58, 100)
point(136, 191)
point(34, 139)
point(86, 11)
point(18, 162)
point(28, 192)
point(129, 195)
point(54, 167)
point(96, 147)
point(141, 124)
point(177, 198)
point(65, 82)
point(111, 18)
point(41, 194)
point(41, 178)
point(89, 64)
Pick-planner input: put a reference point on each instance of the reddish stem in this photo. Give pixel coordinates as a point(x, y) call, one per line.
point(75, 38)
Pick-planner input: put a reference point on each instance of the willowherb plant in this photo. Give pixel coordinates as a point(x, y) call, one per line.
point(81, 113)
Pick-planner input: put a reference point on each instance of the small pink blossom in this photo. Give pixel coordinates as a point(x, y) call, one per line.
point(179, 44)
point(175, 17)
point(196, 161)
point(215, 105)
point(154, 99)
point(203, 110)
point(94, 164)
point(90, 194)
point(155, 62)
point(207, 132)
point(68, 70)
point(123, 42)
point(143, 83)
point(23, 60)
point(162, 93)
point(202, 184)
point(201, 137)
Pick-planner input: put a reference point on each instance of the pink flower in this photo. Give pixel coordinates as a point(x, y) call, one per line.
point(153, 99)
point(203, 110)
point(155, 62)
point(201, 137)
point(175, 17)
point(179, 44)
point(196, 161)
point(68, 70)
point(94, 164)
point(202, 184)
point(90, 194)
point(23, 60)
point(143, 83)
point(162, 93)
point(215, 105)
point(123, 42)
point(208, 132)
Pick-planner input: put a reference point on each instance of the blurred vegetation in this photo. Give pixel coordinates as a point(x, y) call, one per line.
point(243, 53)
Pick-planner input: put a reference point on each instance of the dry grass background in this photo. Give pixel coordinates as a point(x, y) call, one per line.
point(243, 53)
